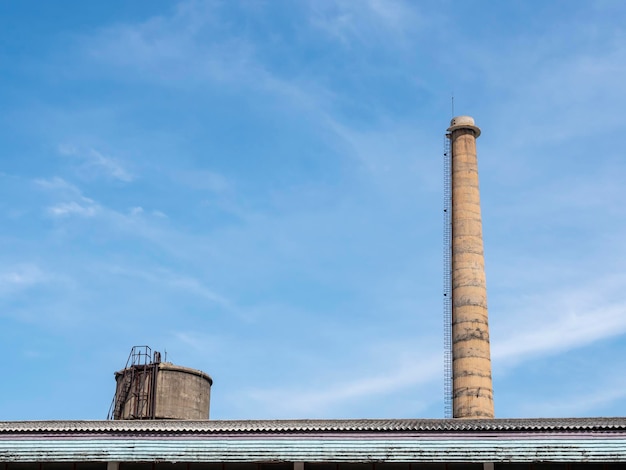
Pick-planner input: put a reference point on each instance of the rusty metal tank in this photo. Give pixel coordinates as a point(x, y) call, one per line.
point(150, 389)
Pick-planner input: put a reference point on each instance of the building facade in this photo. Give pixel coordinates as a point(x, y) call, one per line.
point(395, 444)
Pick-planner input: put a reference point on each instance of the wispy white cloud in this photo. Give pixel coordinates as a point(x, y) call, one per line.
point(548, 87)
point(130, 222)
point(553, 324)
point(314, 400)
point(94, 162)
point(194, 286)
point(167, 278)
point(57, 183)
point(558, 321)
point(200, 342)
point(21, 277)
point(75, 203)
point(137, 210)
point(189, 49)
point(365, 22)
point(388, 156)
point(607, 392)
point(72, 208)
point(165, 44)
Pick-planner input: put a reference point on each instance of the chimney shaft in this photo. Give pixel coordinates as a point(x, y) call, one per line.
point(472, 391)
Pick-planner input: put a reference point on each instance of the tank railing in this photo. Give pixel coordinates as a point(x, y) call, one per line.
point(140, 365)
point(136, 386)
point(139, 355)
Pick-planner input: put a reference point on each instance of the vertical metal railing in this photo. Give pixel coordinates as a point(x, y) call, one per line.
point(141, 362)
point(447, 277)
point(134, 397)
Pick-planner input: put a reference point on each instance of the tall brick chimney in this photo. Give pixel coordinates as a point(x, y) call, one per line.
point(472, 390)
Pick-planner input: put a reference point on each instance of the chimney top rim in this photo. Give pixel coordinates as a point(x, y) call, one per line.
point(463, 122)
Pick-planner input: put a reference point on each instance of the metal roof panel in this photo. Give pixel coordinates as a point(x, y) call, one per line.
point(313, 426)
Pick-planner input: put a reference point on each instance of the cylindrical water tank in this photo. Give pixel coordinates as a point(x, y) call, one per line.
point(162, 390)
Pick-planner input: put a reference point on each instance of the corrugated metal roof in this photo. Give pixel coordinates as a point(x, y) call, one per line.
point(312, 426)
point(376, 440)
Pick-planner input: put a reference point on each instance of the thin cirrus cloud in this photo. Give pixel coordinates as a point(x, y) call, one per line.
point(167, 279)
point(364, 22)
point(604, 394)
point(416, 373)
point(554, 326)
point(93, 163)
point(21, 277)
point(74, 204)
point(65, 209)
point(176, 49)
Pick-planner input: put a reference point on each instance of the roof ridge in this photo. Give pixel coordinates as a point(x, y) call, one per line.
point(319, 425)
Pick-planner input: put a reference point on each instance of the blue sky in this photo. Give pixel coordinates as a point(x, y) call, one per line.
point(256, 188)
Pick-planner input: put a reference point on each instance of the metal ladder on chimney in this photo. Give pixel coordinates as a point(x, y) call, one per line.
point(447, 277)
